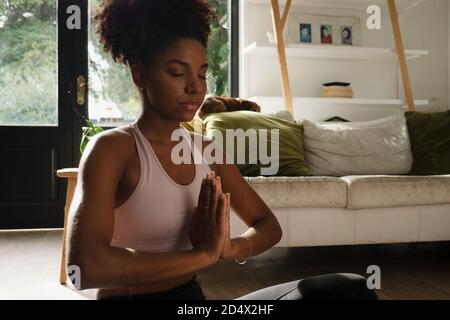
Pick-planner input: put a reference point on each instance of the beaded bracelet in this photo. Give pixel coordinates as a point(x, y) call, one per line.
point(249, 254)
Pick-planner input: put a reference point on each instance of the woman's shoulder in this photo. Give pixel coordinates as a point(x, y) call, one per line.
point(110, 146)
point(120, 136)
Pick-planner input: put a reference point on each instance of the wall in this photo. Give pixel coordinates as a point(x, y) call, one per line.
point(426, 26)
point(370, 79)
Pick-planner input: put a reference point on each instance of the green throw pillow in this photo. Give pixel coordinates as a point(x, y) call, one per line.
point(279, 134)
point(430, 142)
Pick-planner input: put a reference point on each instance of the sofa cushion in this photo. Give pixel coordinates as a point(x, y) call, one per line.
point(353, 148)
point(300, 192)
point(396, 191)
point(251, 158)
point(430, 141)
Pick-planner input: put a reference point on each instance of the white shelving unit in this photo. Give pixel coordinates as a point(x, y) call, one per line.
point(394, 103)
point(330, 52)
point(319, 109)
point(402, 5)
point(260, 75)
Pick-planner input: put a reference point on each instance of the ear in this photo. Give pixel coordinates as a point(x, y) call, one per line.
point(137, 72)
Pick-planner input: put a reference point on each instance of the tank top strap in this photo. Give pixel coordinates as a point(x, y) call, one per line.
point(145, 158)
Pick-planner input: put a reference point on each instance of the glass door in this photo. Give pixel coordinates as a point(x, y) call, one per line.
point(36, 110)
point(54, 75)
point(113, 98)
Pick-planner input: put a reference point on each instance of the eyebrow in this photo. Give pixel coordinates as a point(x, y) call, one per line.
point(185, 63)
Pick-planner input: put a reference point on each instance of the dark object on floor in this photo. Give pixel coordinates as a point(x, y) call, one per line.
point(336, 119)
point(339, 84)
point(333, 286)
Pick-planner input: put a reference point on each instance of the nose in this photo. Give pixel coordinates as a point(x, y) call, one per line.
point(194, 86)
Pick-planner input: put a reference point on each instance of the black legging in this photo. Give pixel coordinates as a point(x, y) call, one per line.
point(334, 286)
point(339, 286)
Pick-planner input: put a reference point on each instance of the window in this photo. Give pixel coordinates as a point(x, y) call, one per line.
point(28, 63)
point(113, 98)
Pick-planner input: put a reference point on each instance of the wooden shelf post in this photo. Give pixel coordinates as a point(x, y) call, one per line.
point(401, 56)
point(278, 24)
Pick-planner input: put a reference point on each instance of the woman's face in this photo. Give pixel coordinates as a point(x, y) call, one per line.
point(175, 86)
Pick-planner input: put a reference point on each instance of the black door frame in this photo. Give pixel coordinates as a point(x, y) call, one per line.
point(60, 145)
point(31, 195)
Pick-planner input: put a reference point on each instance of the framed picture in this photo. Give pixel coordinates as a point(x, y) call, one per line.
point(326, 30)
point(305, 33)
point(346, 35)
point(326, 34)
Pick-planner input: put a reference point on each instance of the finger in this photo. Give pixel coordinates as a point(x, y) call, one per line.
point(227, 217)
point(221, 212)
point(207, 200)
point(219, 184)
point(228, 205)
point(194, 215)
point(193, 220)
point(214, 202)
point(200, 201)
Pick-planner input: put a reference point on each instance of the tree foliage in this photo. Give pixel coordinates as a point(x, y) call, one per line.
point(28, 64)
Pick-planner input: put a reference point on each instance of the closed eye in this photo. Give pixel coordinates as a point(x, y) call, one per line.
point(181, 75)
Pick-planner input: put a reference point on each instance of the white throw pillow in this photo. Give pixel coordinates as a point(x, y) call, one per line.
point(282, 114)
point(358, 148)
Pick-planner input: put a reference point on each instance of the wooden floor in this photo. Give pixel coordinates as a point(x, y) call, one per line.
point(29, 268)
point(407, 272)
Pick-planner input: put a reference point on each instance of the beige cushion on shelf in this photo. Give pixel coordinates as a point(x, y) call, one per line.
point(396, 191)
point(353, 148)
point(300, 192)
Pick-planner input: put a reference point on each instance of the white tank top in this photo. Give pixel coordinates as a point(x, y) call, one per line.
point(156, 216)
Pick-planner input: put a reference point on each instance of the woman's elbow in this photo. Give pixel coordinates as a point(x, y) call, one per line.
point(277, 231)
point(85, 273)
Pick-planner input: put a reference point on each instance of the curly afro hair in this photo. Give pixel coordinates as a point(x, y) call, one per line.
point(135, 31)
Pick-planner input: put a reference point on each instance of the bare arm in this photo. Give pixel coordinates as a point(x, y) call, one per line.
point(91, 222)
point(264, 230)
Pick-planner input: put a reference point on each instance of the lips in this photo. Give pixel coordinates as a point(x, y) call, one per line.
point(191, 106)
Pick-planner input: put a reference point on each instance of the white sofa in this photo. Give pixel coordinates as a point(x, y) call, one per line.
point(319, 211)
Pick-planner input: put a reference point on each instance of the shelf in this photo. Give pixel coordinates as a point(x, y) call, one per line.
point(402, 5)
point(279, 101)
point(318, 51)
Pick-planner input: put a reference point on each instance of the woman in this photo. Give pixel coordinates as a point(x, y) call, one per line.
point(140, 226)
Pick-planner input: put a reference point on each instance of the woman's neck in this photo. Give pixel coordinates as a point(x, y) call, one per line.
point(156, 128)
